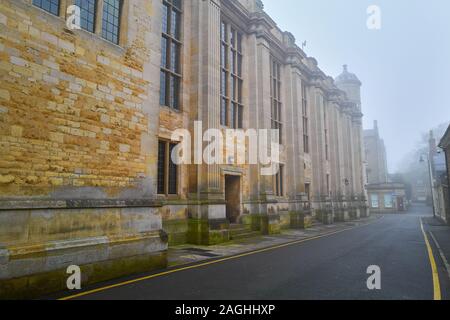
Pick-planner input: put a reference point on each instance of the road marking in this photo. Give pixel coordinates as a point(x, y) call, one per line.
point(441, 253)
point(288, 244)
point(436, 285)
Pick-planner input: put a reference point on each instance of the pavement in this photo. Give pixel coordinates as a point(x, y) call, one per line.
point(326, 262)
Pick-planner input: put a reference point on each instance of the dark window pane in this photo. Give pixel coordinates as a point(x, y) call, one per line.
point(223, 112)
point(240, 116)
point(163, 89)
point(164, 42)
point(87, 14)
point(173, 172)
point(174, 58)
point(161, 167)
point(165, 19)
point(175, 24)
point(51, 6)
point(232, 114)
point(239, 65)
point(111, 20)
point(174, 92)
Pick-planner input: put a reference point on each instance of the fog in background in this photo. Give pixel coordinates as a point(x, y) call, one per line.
point(404, 67)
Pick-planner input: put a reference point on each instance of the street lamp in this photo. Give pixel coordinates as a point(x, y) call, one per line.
point(430, 172)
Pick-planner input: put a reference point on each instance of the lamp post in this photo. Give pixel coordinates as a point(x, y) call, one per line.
point(430, 172)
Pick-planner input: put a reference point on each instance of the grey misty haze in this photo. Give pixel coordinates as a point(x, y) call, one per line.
point(404, 67)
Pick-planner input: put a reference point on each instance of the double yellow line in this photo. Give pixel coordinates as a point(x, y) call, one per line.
point(121, 284)
point(436, 284)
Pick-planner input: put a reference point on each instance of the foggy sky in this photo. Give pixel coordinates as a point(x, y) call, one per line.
point(404, 67)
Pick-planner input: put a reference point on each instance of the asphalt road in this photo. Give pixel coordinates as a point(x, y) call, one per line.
point(332, 267)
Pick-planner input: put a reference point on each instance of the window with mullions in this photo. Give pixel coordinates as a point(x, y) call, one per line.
point(51, 6)
point(275, 94)
point(87, 14)
point(170, 77)
point(231, 82)
point(167, 169)
point(305, 120)
point(112, 10)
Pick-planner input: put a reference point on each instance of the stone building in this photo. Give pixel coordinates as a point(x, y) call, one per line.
point(385, 196)
point(444, 178)
point(375, 150)
point(87, 120)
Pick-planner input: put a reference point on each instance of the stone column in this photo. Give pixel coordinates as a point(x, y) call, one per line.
point(208, 223)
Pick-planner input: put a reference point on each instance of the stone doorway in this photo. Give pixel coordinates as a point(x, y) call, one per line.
point(233, 197)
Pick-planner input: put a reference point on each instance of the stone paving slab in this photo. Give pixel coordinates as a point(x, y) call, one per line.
point(187, 253)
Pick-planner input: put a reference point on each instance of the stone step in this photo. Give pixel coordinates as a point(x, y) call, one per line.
point(248, 234)
point(238, 227)
point(239, 231)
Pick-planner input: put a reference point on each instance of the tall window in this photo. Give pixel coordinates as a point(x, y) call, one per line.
point(112, 10)
point(87, 14)
point(170, 78)
point(388, 201)
point(275, 94)
point(167, 169)
point(231, 82)
point(374, 201)
point(305, 120)
point(278, 182)
point(51, 6)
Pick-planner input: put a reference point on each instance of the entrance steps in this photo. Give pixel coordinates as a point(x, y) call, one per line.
point(240, 231)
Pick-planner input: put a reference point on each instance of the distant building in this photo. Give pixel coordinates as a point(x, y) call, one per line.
point(387, 197)
point(376, 170)
point(384, 196)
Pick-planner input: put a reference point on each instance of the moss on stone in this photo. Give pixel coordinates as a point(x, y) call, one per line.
point(36, 285)
point(177, 231)
point(204, 232)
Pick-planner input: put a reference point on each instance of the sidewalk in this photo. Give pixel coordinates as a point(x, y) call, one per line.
point(440, 236)
point(188, 254)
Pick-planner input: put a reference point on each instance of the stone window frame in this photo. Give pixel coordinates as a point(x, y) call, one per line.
point(168, 144)
point(123, 32)
point(231, 69)
point(305, 119)
point(167, 69)
point(276, 104)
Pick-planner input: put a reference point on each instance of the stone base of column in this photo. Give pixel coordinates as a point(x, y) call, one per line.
point(325, 216)
point(270, 224)
point(300, 220)
point(364, 212)
point(341, 215)
point(208, 231)
point(353, 213)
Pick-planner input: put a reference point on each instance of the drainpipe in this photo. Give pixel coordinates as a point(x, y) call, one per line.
point(448, 186)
